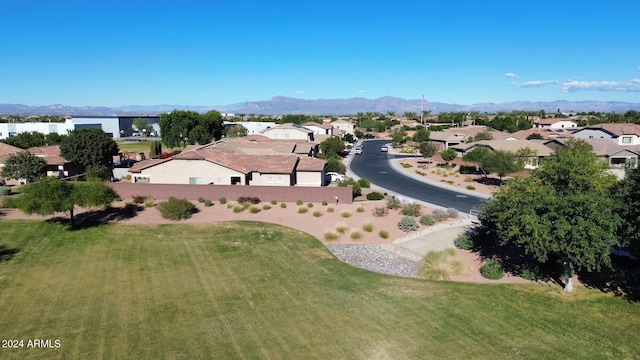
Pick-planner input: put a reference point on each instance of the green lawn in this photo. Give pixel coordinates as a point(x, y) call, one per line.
point(134, 146)
point(250, 290)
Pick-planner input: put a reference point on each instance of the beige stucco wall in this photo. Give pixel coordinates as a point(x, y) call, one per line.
point(285, 134)
point(270, 179)
point(179, 171)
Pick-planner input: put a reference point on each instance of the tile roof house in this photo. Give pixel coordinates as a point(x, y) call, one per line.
point(553, 123)
point(622, 134)
point(512, 146)
point(615, 155)
point(460, 135)
point(543, 132)
point(235, 161)
point(56, 164)
point(289, 131)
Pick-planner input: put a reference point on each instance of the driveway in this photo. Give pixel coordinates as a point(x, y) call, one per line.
point(433, 241)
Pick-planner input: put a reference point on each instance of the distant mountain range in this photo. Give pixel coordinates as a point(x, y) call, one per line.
point(281, 105)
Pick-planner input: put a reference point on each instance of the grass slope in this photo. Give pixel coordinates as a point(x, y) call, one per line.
point(252, 290)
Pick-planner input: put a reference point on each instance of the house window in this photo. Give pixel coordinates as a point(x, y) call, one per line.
point(195, 181)
point(218, 180)
point(279, 179)
point(235, 180)
point(143, 180)
point(270, 179)
point(626, 140)
point(286, 136)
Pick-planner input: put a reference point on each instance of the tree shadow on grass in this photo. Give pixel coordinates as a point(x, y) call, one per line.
point(96, 218)
point(7, 253)
point(622, 279)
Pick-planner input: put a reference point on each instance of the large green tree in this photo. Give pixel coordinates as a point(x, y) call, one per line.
point(448, 155)
point(502, 163)
point(24, 165)
point(563, 211)
point(89, 147)
point(181, 127)
point(332, 145)
point(478, 155)
point(627, 196)
point(50, 195)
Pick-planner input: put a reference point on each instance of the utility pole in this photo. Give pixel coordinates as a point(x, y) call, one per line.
point(422, 111)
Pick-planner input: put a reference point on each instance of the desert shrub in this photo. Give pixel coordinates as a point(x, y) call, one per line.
point(138, 199)
point(356, 189)
point(531, 272)
point(375, 196)
point(245, 205)
point(441, 265)
point(331, 236)
point(368, 227)
point(223, 200)
point(420, 173)
point(342, 229)
point(299, 202)
point(355, 235)
point(201, 199)
point(309, 205)
point(302, 210)
point(466, 169)
point(130, 208)
point(176, 209)
point(464, 241)
point(254, 210)
point(411, 210)
point(360, 209)
point(283, 206)
point(5, 190)
point(384, 234)
point(452, 213)
point(408, 224)
point(364, 183)
point(439, 215)
point(393, 203)
point(273, 202)
point(248, 199)
point(471, 187)
point(380, 211)
point(405, 165)
point(492, 270)
point(329, 209)
point(149, 201)
point(266, 207)
point(324, 202)
point(11, 202)
point(208, 203)
point(229, 205)
point(238, 208)
point(427, 220)
point(317, 213)
point(345, 214)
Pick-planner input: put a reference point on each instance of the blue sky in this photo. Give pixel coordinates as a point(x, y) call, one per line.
point(114, 53)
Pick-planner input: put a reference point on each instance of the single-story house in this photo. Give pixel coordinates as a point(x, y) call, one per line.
point(553, 123)
point(289, 132)
point(56, 164)
point(622, 134)
point(512, 146)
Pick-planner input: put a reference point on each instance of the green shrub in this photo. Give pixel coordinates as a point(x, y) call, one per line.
point(471, 187)
point(345, 214)
point(302, 210)
point(452, 213)
point(355, 235)
point(406, 166)
point(10, 202)
point(329, 209)
point(412, 210)
point(531, 272)
point(465, 169)
point(176, 209)
point(130, 208)
point(238, 209)
point(464, 241)
point(375, 196)
point(360, 209)
point(441, 265)
point(393, 203)
point(356, 189)
point(223, 200)
point(364, 183)
point(201, 199)
point(317, 213)
point(380, 211)
point(138, 199)
point(149, 201)
point(254, 210)
point(384, 234)
point(492, 270)
point(229, 205)
point(368, 227)
point(273, 202)
point(331, 236)
point(245, 205)
point(266, 207)
point(283, 205)
point(427, 220)
point(309, 205)
point(299, 202)
point(439, 215)
point(5, 190)
point(324, 203)
point(208, 203)
point(408, 224)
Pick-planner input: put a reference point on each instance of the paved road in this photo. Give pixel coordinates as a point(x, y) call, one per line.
point(374, 165)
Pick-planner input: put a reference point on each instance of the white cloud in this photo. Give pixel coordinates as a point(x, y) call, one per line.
point(510, 75)
point(298, 92)
point(362, 91)
point(625, 86)
point(535, 83)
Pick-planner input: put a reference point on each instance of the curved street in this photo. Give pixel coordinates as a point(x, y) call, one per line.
point(374, 166)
